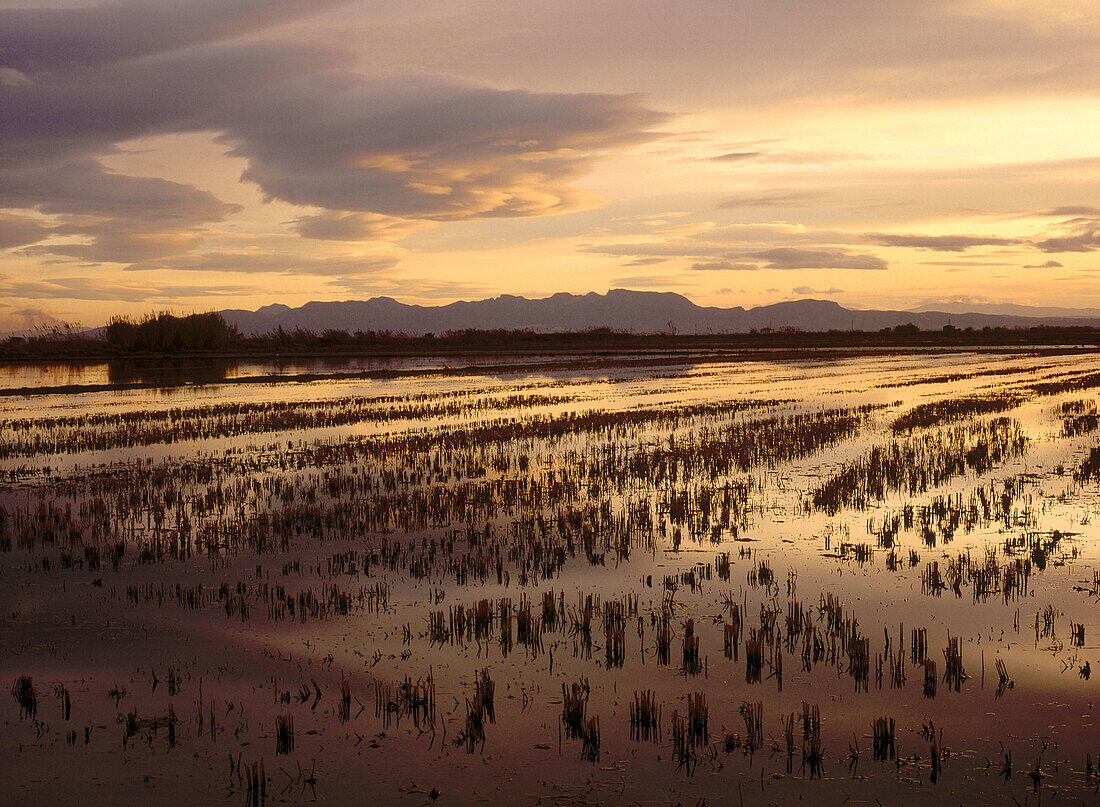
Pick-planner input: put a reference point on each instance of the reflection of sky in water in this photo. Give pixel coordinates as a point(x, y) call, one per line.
point(811, 382)
point(189, 371)
point(1049, 698)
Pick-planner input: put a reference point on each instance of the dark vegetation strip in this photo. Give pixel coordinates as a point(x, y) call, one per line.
point(219, 421)
point(1079, 417)
point(209, 333)
point(940, 519)
point(1080, 424)
point(740, 447)
point(952, 377)
point(1074, 383)
point(1090, 468)
point(338, 406)
point(917, 464)
point(951, 410)
point(954, 409)
point(538, 427)
point(370, 487)
point(1079, 406)
point(146, 428)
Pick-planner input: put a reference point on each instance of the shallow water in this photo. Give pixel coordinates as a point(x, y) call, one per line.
point(453, 488)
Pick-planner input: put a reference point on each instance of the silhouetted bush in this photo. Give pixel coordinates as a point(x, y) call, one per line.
point(165, 332)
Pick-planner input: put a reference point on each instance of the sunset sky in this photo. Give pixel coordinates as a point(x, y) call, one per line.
point(206, 154)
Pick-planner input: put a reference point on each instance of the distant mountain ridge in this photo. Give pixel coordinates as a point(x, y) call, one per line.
point(1011, 309)
point(619, 309)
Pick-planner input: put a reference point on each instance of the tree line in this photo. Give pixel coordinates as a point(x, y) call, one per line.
point(209, 333)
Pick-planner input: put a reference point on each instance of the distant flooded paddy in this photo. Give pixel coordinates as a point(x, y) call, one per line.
point(666, 579)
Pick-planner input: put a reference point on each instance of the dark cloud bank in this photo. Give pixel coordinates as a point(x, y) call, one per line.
point(379, 157)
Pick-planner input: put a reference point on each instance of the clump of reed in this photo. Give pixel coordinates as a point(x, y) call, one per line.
point(472, 735)
point(528, 628)
point(581, 626)
point(387, 706)
point(796, 622)
point(414, 699)
point(853, 756)
point(133, 725)
point(61, 692)
point(813, 647)
point(691, 731)
point(255, 784)
point(954, 673)
point(284, 734)
point(26, 696)
point(590, 739)
point(439, 631)
point(698, 719)
point(788, 738)
point(761, 575)
point(859, 661)
point(172, 720)
point(479, 708)
point(882, 732)
point(574, 717)
point(505, 640)
point(930, 679)
point(692, 664)
point(1015, 582)
point(549, 611)
point(722, 565)
point(813, 758)
point(683, 750)
point(615, 648)
point(663, 640)
point(574, 706)
point(777, 667)
point(861, 553)
point(344, 706)
point(931, 581)
point(753, 715)
point(485, 692)
point(918, 646)
point(1045, 622)
point(1089, 468)
point(482, 619)
point(729, 640)
point(897, 668)
point(645, 716)
point(832, 609)
point(731, 631)
point(754, 657)
point(935, 751)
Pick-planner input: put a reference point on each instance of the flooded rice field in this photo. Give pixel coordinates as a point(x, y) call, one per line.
point(867, 579)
